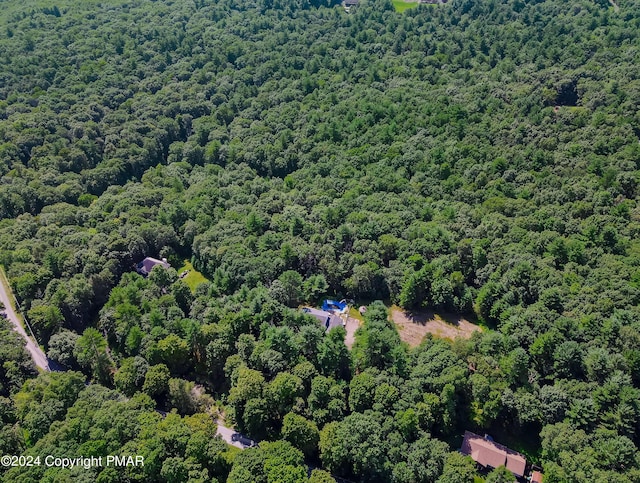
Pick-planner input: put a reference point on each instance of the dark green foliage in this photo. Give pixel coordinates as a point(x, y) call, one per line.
point(377, 342)
point(15, 364)
point(62, 347)
point(301, 433)
point(91, 353)
point(501, 475)
point(100, 421)
point(458, 469)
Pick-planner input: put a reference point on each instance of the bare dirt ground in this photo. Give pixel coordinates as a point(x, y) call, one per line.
point(414, 326)
point(351, 327)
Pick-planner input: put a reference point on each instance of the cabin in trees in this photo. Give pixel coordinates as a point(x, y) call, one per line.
point(145, 266)
point(347, 4)
point(489, 454)
point(328, 319)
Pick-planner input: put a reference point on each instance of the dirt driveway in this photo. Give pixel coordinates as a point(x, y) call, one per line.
point(414, 326)
point(351, 327)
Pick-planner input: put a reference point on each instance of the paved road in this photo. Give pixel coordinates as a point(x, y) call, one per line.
point(225, 433)
point(45, 364)
point(36, 353)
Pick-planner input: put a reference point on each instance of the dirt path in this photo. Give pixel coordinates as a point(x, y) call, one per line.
point(351, 327)
point(614, 5)
point(414, 326)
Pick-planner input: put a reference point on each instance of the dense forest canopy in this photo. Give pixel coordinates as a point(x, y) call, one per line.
point(480, 157)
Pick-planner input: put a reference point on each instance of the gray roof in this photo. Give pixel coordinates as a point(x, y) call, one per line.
point(145, 266)
point(327, 319)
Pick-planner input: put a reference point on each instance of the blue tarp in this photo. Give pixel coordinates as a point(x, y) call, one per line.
point(333, 305)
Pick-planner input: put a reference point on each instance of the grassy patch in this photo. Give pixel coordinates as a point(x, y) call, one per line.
point(402, 6)
point(353, 312)
point(193, 278)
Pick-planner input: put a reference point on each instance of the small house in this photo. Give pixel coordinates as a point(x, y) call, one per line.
point(145, 266)
point(490, 454)
point(327, 319)
point(347, 4)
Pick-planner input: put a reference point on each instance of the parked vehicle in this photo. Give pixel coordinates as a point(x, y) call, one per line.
point(247, 442)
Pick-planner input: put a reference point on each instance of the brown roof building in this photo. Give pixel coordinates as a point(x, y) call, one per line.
point(536, 477)
point(490, 454)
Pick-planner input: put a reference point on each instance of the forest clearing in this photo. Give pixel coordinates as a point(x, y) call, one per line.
point(413, 326)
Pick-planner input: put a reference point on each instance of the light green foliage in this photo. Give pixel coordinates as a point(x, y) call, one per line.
point(353, 444)
point(131, 375)
point(45, 320)
point(194, 278)
point(327, 400)
point(156, 380)
point(291, 282)
point(377, 342)
point(319, 476)
point(362, 392)
point(458, 469)
point(402, 6)
point(163, 277)
point(500, 475)
point(283, 391)
point(174, 352)
point(272, 462)
point(133, 427)
point(43, 400)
